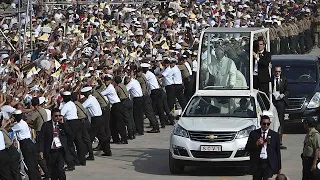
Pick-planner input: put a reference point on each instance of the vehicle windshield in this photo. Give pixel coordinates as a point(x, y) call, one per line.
point(300, 73)
point(224, 61)
point(221, 106)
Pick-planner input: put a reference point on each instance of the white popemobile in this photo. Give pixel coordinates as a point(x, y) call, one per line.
point(215, 125)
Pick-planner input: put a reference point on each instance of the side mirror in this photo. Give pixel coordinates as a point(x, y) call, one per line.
point(268, 113)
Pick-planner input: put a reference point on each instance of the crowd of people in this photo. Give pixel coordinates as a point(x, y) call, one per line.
point(95, 71)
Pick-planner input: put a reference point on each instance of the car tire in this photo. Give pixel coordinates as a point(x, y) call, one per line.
point(175, 167)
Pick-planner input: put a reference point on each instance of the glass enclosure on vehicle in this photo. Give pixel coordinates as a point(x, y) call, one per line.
point(221, 106)
point(225, 57)
point(299, 73)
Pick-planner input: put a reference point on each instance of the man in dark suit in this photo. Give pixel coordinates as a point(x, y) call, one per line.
point(264, 148)
point(53, 144)
point(280, 94)
point(262, 59)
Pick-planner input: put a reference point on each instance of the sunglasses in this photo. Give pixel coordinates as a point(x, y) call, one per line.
point(57, 115)
point(266, 124)
point(277, 71)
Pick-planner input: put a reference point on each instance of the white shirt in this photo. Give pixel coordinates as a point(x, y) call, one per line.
point(188, 67)
point(111, 94)
point(224, 72)
point(167, 77)
point(48, 114)
point(275, 84)
point(195, 65)
point(93, 106)
point(22, 130)
point(69, 110)
point(176, 75)
point(2, 143)
point(57, 139)
point(263, 153)
point(7, 111)
point(152, 82)
point(134, 88)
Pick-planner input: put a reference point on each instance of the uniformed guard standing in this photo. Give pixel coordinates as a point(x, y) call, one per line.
point(273, 43)
point(177, 83)
point(310, 147)
point(69, 113)
point(27, 147)
point(136, 94)
point(301, 35)
point(283, 40)
point(123, 94)
point(97, 123)
point(291, 36)
point(85, 125)
point(156, 92)
point(4, 159)
point(147, 102)
point(117, 125)
point(35, 121)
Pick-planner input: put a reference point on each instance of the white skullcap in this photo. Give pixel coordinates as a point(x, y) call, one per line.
point(17, 112)
point(145, 65)
point(66, 93)
point(86, 89)
point(42, 100)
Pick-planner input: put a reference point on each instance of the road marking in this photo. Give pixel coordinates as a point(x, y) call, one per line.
point(223, 178)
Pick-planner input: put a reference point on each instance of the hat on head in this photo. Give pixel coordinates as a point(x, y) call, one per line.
point(66, 93)
point(145, 65)
point(173, 60)
point(42, 100)
point(16, 112)
point(86, 89)
point(310, 121)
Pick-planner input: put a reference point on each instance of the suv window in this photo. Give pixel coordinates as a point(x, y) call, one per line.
point(265, 100)
point(260, 102)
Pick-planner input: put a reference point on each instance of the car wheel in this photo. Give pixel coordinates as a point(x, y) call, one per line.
point(175, 167)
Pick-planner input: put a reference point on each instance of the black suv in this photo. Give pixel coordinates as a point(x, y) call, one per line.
point(302, 73)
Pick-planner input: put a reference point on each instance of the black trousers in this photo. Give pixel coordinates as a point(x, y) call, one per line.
point(30, 156)
point(273, 47)
point(76, 137)
point(263, 172)
point(178, 89)
point(55, 161)
point(280, 106)
point(117, 123)
point(148, 111)
point(261, 86)
point(14, 157)
point(188, 85)
point(98, 130)
point(5, 166)
point(42, 162)
point(292, 44)
point(302, 43)
point(85, 136)
point(284, 45)
point(166, 108)
point(128, 116)
point(307, 174)
point(171, 98)
point(138, 114)
point(157, 105)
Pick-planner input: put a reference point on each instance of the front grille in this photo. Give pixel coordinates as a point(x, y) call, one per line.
point(241, 153)
point(212, 136)
point(296, 103)
point(211, 154)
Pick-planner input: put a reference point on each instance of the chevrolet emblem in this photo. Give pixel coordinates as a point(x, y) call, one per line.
point(211, 137)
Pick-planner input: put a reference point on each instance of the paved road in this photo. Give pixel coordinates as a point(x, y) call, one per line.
point(146, 157)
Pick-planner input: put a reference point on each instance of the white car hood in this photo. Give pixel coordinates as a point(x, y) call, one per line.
point(216, 123)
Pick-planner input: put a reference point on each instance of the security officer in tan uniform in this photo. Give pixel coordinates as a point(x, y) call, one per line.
point(127, 105)
point(301, 36)
point(292, 37)
point(147, 102)
point(283, 39)
point(310, 147)
point(273, 43)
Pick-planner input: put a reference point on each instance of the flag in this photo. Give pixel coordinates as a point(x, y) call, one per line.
point(56, 74)
point(32, 72)
point(57, 64)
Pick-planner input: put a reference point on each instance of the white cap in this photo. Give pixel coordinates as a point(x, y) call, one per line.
point(66, 93)
point(152, 29)
point(86, 89)
point(17, 112)
point(145, 65)
point(42, 100)
point(91, 69)
point(82, 96)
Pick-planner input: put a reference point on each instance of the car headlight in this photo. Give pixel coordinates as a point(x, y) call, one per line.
point(180, 131)
point(245, 132)
point(315, 101)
